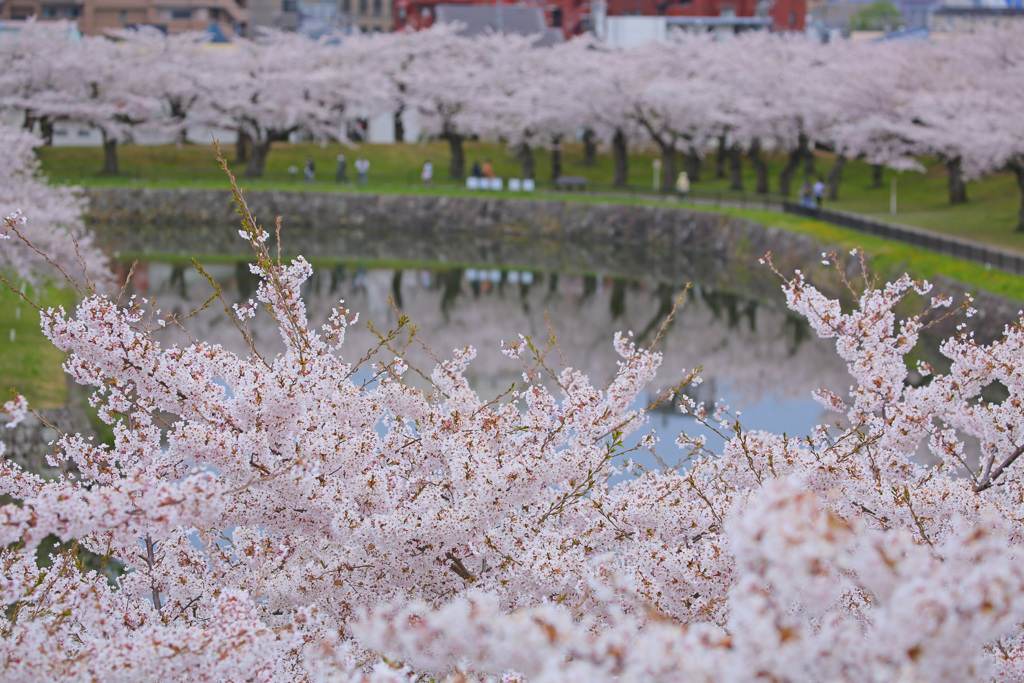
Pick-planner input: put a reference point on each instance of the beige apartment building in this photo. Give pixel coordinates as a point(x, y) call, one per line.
point(96, 16)
point(370, 16)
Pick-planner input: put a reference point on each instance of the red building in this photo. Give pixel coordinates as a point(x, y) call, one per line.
point(574, 16)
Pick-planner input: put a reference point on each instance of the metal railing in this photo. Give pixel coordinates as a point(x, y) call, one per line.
point(951, 246)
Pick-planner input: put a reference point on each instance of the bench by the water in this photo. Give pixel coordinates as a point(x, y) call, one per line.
point(514, 184)
point(570, 182)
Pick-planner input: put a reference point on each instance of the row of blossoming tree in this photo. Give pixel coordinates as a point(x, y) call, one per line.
point(889, 103)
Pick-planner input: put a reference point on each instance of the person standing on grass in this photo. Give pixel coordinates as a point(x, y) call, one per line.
point(683, 185)
point(819, 191)
point(428, 173)
point(341, 172)
point(488, 170)
point(310, 172)
point(362, 169)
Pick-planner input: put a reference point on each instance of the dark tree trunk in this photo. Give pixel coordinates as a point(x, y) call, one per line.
point(760, 167)
point(835, 176)
point(721, 157)
point(46, 127)
point(525, 154)
point(257, 161)
point(556, 161)
point(735, 168)
point(589, 147)
point(457, 163)
point(789, 170)
point(809, 160)
point(620, 153)
point(1017, 166)
point(693, 164)
point(109, 155)
point(242, 148)
point(876, 175)
point(668, 168)
point(399, 125)
point(957, 184)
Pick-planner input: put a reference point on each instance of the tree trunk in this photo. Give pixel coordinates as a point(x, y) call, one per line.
point(957, 184)
point(457, 163)
point(760, 167)
point(1017, 166)
point(789, 170)
point(242, 148)
point(620, 153)
point(589, 147)
point(257, 161)
point(109, 155)
point(556, 161)
point(668, 168)
point(735, 168)
point(809, 160)
point(46, 129)
point(399, 125)
point(525, 154)
point(876, 175)
point(835, 177)
point(693, 163)
point(724, 154)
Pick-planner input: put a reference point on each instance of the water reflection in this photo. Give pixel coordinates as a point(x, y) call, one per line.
point(756, 355)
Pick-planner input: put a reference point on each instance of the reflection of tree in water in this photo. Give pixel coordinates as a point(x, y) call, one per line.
point(734, 308)
point(176, 283)
point(337, 277)
point(589, 287)
point(552, 285)
point(798, 331)
point(396, 288)
point(617, 303)
point(666, 295)
point(451, 286)
point(247, 282)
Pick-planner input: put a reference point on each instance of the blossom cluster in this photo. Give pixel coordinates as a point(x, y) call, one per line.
point(278, 518)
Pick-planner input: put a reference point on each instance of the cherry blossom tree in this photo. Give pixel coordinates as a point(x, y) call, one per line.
point(309, 515)
point(268, 89)
point(452, 80)
point(48, 216)
point(168, 69)
point(31, 59)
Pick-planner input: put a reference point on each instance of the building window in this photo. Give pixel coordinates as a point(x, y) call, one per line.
point(289, 6)
point(346, 6)
point(181, 14)
point(376, 8)
point(362, 6)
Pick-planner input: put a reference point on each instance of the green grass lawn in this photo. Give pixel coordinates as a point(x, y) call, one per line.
point(30, 364)
point(989, 217)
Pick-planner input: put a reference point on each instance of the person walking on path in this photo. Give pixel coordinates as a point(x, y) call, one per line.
point(487, 169)
point(362, 169)
point(428, 173)
point(819, 192)
point(341, 171)
point(310, 172)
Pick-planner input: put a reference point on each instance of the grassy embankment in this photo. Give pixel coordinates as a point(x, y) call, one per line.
point(29, 363)
point(990, 216)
